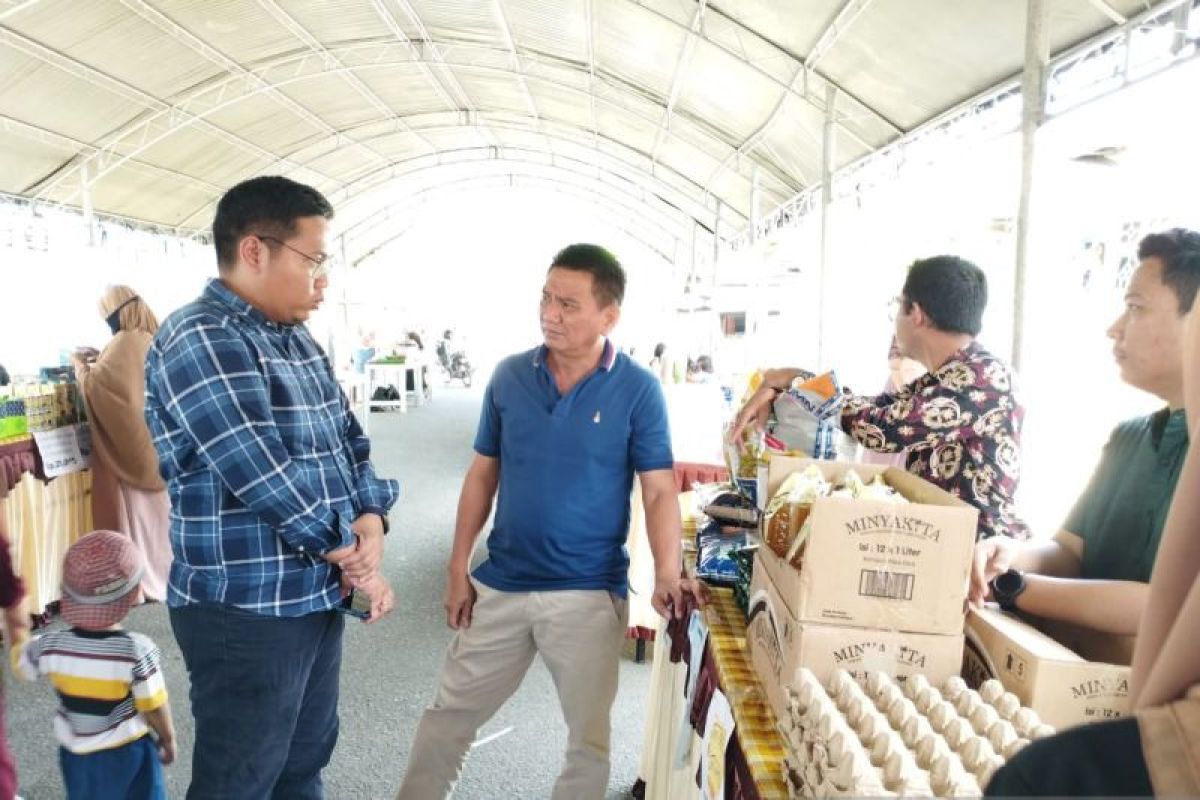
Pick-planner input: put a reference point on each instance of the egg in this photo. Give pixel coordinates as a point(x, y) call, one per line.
point(940, 715)
point(1008, 705)
point(991, 690)
point(900, 711)
point(1001, 734)
point(914, 729)
point(985, 771)
point(953, 687)
point(927, 699)
point(929, 749)
point(914, 685)
point(1025, 720)
point(1014, 747)
point(1042, 731)
point(982, 718)
point(956, 732)
point(977, 752)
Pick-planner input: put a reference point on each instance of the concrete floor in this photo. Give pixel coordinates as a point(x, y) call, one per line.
point(389, 670)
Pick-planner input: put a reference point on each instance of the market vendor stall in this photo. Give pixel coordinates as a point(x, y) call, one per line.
point(677, 737)
point(45, 487)
point(643, 619)
point(400, 373)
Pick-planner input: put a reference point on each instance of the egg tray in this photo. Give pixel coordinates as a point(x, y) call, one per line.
point(875, 738)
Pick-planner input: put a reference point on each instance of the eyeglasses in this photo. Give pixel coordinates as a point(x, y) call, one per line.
point(321, 264)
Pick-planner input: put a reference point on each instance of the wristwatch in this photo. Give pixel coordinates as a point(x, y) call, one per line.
point(1007, 587)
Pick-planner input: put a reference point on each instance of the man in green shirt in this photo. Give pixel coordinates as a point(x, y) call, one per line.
point(1095, 570)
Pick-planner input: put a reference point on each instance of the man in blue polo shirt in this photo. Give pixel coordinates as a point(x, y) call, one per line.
point(563, 429)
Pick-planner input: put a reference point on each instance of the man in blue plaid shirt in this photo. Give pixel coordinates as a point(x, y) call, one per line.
point(275, 509)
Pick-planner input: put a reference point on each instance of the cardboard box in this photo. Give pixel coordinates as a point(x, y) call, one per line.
point(1092, 645)
point(779, 644)
point(896, 566)
point(1064, 688)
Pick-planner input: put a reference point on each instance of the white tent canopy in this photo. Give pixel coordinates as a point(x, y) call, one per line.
point(149, 109)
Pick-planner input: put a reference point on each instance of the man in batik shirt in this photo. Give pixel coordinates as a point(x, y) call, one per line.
point(960, 422)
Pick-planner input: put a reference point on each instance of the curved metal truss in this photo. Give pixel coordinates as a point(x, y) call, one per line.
point(718, 107)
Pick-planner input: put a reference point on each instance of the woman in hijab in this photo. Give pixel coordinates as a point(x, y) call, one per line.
point(128, 494)
point(1155, 750)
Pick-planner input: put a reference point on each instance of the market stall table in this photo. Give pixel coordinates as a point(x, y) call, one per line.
point(755, 756)
point(358, 393)
point(40, 519)
point(41, 515)
point(382, 374)
point(643, 619)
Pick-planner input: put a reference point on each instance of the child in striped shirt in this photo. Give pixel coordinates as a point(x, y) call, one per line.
point(109, 682)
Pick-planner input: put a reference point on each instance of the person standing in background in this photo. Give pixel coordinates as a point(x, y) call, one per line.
point(128, 494)
point(364, 353)
point(659, 364)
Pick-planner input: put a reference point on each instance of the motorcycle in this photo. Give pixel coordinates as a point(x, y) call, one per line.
point(455, 365)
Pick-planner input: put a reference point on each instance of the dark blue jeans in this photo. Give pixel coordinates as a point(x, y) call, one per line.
point(264, 696)
point(129, 772)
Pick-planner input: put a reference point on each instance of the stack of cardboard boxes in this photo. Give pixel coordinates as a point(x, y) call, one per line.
point(1068, 675)
point(880, 585)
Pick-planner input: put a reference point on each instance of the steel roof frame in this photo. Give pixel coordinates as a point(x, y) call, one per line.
point(257, 82)
point(685, 57)
point(37, 133)
point(105, 81)
point(666, 193)
point(983, 103)
point(228, 98)
point(841, 22)
point(590, 171)
point(550, 184)
point(176, 31)
point(462, 100)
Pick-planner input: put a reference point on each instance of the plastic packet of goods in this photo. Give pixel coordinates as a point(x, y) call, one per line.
point(878, 490)
point(706, 494)
point(741, 457)
point(789, 507)
point(714, 555)
point(821, 394)
point(795, 552)
point(806, 415)
point(849, 485)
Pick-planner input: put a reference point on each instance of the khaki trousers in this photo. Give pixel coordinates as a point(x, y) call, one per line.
point(1171, 745)
point(578, 635)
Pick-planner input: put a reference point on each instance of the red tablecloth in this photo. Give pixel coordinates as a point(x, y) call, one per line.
point(687, 474)
point(17, 458)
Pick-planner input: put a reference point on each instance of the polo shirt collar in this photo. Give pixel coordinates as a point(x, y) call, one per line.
point(1169, 428)
point(607, 359)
